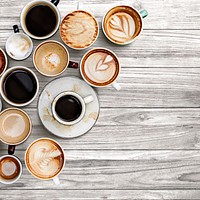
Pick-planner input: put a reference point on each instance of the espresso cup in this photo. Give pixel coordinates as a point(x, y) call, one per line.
point(79, 30)
point(40, 19)
point(123, 24)
point(10, 169)
point(69, 108)
point(19, 45)
point(100, 67)
point(3, 62)
point(19, 86)
point(45, 159)
point(51, 58)
point(15, 127)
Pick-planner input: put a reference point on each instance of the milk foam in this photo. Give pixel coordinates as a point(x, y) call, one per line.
point(8, 168)
point(18, 46)
point(100, 67)
point(51, 61)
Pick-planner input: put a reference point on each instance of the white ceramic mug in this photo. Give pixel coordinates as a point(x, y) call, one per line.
point(52, 4)
point(84, 101)
point(11, 181)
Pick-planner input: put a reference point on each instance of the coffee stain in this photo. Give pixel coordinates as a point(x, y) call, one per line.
point(92, 115)
point(76, 88)
point(49, 95)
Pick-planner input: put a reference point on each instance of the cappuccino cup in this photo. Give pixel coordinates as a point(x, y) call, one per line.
point(15, 127)
point(51, 58)
point(10, 169)
point(19, 45)
point(19, 86)
point(45, 159)
point(100, 67)
point(123, 24)
point(40, 19)
point(3, 62)
point(69, 108)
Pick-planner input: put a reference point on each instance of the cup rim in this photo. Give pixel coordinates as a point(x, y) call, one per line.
point(44, 138)
point(2, 92)
point(24, 11)
point(99, 86)
point(30, 123)
point(31, 49)
point(79, 10)
point(131, 41)
point(20, 173)
point(6, 59)
point(80, 98)
point(41, 44)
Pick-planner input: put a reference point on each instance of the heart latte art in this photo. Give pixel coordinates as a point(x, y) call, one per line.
point(100, 67)
point(44, 159)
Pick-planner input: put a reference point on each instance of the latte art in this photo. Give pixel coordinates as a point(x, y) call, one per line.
point(121, 27)
point(45, 159)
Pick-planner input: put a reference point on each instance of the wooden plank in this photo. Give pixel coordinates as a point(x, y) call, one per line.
point(101, 194)
point(128, 170)
point(131, 129)
point(154, 49)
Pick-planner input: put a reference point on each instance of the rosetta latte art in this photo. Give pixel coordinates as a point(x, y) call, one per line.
point(44, 159)
point(121, 27)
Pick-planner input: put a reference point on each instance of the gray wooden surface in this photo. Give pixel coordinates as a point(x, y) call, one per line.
point(146, 143)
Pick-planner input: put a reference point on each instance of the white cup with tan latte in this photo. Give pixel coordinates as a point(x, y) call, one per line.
point(123, 24)
point(45, 159)
point(100, 67)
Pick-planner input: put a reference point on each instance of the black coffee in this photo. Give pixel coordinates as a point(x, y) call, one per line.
point(68, 108)
point(41, 20)
point(20, 86)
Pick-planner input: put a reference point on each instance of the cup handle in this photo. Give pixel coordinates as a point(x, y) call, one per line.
point(144, 13)
point(16, 29)
point(11, 149)
point(73, 65)
point(55, 2)
point(88, 99)
point(56, 181)
point(116, 86)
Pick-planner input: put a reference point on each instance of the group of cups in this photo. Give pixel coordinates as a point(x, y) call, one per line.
point(99, 67)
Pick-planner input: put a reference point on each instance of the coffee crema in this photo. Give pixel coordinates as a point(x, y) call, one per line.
point(100, 67)
point(122, 24)
point(44, 158)
point(79, 29)
point(51, 58)
point(14, 126)
point(2, 62)
point(9, 168)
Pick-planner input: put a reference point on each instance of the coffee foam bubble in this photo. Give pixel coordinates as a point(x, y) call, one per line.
point(44, 159)
point(18, 46)
point(79, 29)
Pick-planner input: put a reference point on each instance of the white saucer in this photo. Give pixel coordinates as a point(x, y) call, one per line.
point(58, 86)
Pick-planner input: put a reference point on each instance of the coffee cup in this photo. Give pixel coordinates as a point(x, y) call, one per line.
point(3, 62)
point(69, 108)
point(15, 127)
point(40, 19)
point(10, 169)
point(45, 159)
point(79, 30)
point(19, 86)
point(100, 67)
point(51, 58)
point(123, 24)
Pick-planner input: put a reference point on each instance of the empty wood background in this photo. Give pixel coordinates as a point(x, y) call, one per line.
point(146, 143)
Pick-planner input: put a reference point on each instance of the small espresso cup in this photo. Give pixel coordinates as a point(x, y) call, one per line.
point(19, 46)
point(123, 24)
point(69, 108)
point(40, 19)
point(15, 128)
point(3, 62)
point(51, 58)
point(19, 86)
point(100, 67)
point(10, 169)
point(45, 159)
